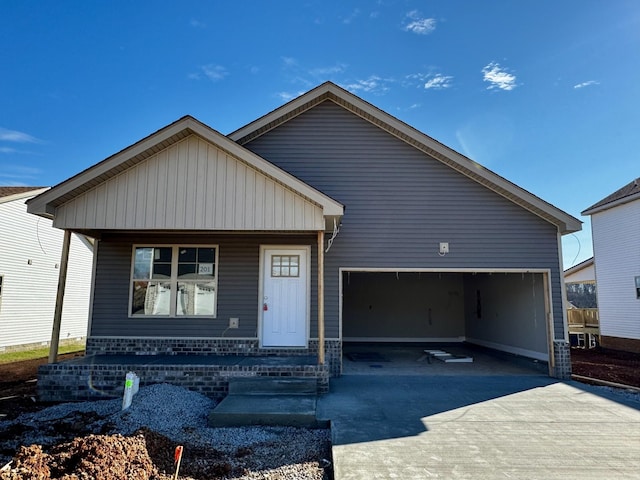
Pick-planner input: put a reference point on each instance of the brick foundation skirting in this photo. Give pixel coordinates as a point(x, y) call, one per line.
point(73, 381)
point(211, 346)
point(562, 357)
point(64, 382)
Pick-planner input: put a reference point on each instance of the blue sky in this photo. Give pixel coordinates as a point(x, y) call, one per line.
point(545, 93)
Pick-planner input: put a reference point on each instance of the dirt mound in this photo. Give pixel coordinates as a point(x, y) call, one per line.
point(99, 457)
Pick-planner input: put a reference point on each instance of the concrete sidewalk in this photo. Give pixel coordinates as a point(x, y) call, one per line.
point(521, 427)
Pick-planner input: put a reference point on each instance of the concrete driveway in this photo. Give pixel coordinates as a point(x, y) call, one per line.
point(480, 427)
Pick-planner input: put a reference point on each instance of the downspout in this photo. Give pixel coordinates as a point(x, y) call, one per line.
point(57, 314)
point(321, 359)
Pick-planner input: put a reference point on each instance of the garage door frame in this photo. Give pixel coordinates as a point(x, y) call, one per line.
point(546, 278)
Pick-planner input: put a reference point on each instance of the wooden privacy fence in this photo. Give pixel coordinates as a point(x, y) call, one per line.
point(583, 320)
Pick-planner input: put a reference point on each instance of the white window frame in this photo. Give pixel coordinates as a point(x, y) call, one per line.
point(173, 279)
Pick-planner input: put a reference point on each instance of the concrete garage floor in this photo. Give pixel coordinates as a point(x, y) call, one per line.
point(409, 359)
point(478, 426)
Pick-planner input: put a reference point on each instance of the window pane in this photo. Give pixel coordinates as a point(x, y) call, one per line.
point(151, 298)
point(187, 270)
point(143, 260)
point(206, 255)
point(196, 298)
point(161, 270)
point(295, 272)
point(161, 267)
point(162, 254)
point(187, 254)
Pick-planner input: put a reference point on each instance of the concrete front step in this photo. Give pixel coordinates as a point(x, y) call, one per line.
point(273, 386)
point(271, 401)
point(262, 409)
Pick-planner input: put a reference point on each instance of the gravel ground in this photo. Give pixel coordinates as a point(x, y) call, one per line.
point(181, 416)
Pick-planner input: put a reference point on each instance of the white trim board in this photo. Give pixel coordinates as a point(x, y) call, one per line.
point(405, 339)
point(509, 349)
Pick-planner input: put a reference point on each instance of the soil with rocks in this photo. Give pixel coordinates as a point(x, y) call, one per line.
point(608, 365)
point(97, 440)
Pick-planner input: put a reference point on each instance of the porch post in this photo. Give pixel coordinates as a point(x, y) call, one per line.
point(321, 297)
point(57, 314)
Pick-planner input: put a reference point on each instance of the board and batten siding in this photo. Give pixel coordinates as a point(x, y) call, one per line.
point(238, 282)
point(30, 250)
point(616, 249)
point(400, 203)
point(190, 185)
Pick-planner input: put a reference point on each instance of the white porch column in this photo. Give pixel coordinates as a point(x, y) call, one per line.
point(321, 297)
point(57, 314)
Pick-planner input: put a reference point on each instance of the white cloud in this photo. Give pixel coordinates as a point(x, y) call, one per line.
point(349, 18)
point(418, 24)
point(498, 77)
point(17, 175)
point(212, 72)
point(373, 84)
point(586, 84)
point(332, 70)
point(197, 23)
point(289, 61)
point(438, 82)
point(7, 135)
point(286, 96)
point(8, 150)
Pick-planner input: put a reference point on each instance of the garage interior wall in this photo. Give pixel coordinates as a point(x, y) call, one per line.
point(505, 311)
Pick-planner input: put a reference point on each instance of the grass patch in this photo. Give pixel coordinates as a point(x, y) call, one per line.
point(10, 357)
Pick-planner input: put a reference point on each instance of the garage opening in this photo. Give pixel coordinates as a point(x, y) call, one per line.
point(504, 311)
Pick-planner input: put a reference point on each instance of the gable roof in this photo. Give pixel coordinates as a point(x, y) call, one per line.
point(9, 194)
point(628, 193)
point(580, 266)
point(329, 91)
point(45, 204)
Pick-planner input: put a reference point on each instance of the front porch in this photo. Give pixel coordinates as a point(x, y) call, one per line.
point(102, 376)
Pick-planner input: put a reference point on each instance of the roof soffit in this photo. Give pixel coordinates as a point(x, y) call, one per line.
point(331, 92)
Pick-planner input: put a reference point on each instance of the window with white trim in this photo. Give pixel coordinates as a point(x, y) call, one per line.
point(174, 281)
point(1, 280)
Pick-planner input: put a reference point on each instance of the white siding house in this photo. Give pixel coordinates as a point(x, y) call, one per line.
point(615, 224)
point(30, 250)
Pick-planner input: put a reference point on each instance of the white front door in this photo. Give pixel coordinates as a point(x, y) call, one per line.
point(285, 299)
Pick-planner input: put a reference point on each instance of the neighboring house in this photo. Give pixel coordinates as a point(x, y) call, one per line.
point(615, 226)
point(582, 311)
point(30, 252)
point(224, 244)
point(580, 283)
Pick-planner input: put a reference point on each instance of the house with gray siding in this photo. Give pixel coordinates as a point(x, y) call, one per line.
point(323, 222)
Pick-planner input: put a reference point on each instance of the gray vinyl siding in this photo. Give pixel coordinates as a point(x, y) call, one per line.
point(400, 203)
point(238, 281)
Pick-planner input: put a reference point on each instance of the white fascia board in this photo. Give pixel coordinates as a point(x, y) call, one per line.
point(41, 204)
point(615, 203)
